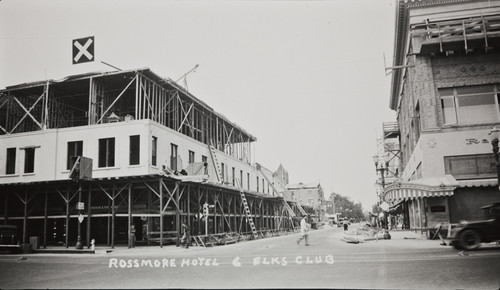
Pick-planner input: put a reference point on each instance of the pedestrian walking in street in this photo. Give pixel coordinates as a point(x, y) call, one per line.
point(186, 236)
point(305, 226)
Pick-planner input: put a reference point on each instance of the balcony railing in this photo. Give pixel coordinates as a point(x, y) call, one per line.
point(472, 32)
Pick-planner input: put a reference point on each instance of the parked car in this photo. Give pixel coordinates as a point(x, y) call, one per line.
point(468, 235)
point(343, 221)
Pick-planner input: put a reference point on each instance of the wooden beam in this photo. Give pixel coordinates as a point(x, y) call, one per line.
point(89, 216)
point(160, 182)
point(116, 100)
point(25, 219)
point(129, 215)
point(27, 113)
point(113, 216)
point(177, 214)
point(67, 199)
point(45, 220)
point(6, 209)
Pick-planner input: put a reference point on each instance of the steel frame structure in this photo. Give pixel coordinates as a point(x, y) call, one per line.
point(93, 99)
point(161, 202)
point(147, 197)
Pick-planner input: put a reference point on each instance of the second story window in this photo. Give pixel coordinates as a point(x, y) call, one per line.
point(233, 176)
point(191, 156)
point(154, 148)
point(75, 148)
point(29, 160)
point(470, 105)
point(222, 172)
point(135, 150)
point(173, 156)
point(10, 164)
point(107, 152)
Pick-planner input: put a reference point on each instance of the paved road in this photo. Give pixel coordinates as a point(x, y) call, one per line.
point(268, 263)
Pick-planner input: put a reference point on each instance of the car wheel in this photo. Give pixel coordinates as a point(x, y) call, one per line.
point(469, 240)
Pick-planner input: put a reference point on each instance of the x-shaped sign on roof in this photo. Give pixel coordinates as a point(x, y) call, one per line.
point(83, 50)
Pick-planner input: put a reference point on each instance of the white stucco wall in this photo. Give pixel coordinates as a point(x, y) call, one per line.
point(52, 145)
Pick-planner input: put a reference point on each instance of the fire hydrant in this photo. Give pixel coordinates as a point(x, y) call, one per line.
point(92, 244)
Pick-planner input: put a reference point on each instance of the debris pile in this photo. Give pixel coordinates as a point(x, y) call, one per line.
point(365, 232)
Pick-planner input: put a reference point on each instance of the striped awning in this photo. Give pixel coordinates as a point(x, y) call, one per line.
point(478, 182)
point(430, 187)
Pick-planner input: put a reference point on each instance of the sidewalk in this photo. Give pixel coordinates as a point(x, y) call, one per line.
point(358, 235)
point(406, 235)
point(107, 249)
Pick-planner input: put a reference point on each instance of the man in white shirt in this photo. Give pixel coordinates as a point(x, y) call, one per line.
point(304, 229)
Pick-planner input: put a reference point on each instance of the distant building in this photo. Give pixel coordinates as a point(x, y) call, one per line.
point(445, 90)
point(308, 195)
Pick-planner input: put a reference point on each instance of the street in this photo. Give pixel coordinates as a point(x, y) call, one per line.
point(276, 262)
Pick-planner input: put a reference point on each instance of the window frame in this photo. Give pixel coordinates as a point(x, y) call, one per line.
point(29, 160)
point(191, 156)
point(437, 208)
point(173, 156)
point(455, 101)
point(106, 158)
point(233, 173)
point(476, 158)
point(75, 148)
point(10, 161)
point(134, 157)
point(154, 150)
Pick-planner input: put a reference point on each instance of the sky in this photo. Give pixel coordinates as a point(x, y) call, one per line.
point(307, 78)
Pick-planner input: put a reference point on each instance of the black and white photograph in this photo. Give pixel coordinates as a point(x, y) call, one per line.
point(238, 144)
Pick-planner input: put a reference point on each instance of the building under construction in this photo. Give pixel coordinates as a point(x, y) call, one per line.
point(93, 156)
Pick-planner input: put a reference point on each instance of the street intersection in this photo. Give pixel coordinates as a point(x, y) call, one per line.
point(405, 261)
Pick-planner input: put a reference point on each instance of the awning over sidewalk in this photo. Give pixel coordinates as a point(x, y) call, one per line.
point(425, 187)
point(478, 182)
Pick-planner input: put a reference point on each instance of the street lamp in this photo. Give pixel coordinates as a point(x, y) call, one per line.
point(494, 136)
point(381, 165)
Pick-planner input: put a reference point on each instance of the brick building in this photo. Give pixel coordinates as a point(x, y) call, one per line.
point(445, 90)
point(307, 195)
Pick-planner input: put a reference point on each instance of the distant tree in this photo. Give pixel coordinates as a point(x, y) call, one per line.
point(375, 209)
point(346, 207)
